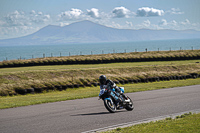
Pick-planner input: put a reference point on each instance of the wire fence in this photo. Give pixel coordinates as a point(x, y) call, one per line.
point(94, 52)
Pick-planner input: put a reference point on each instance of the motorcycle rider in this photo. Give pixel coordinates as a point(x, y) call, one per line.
point(107, 84)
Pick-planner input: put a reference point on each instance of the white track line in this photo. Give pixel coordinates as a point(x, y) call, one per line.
point(122, 125)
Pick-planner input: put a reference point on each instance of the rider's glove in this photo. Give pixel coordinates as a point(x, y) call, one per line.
point(101, 92)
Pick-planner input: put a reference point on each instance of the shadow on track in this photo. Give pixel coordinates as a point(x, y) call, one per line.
point(100, 113)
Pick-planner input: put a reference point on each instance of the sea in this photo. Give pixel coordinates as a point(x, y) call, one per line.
point(59, 50)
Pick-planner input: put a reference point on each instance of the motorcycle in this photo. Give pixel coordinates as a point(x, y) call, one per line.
point(114, 101)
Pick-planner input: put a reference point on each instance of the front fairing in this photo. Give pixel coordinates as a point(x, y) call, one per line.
point(110, 93)
point(122, 89)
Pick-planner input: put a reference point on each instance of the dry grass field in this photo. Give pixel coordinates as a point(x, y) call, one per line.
point(24, 80)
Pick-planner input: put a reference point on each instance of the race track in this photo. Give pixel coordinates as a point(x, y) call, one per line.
point(82, 115)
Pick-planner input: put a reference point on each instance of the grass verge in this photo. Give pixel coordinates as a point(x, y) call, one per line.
point(28, 79)
point(187, 123)
point(79, 93)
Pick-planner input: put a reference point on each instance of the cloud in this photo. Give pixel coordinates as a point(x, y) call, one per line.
point(33, 12)
point(19, 23)
point(2, 23)
point(94, 13)
point(175, 11)
point(175, 25)
point(20, 18)
point(112, 24)
point(121, 12)
point(163, 22)
point(173, 22)
point(186, 22)
point(130, 24)
point(149, 12)
point(146, 23)
point(39, 17)
point(16, 31)
point(15, 18)
point(73, 14)
point(63, 24)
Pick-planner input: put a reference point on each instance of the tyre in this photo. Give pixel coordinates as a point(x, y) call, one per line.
point(129, 107)
point(110, 106)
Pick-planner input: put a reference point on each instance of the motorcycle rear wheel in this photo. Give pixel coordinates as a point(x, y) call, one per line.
point(110, 106)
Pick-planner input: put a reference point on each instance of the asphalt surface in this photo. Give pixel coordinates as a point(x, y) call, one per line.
point(82, 115)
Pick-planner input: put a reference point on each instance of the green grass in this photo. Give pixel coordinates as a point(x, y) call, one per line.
point(187, 123)
point(69, 94)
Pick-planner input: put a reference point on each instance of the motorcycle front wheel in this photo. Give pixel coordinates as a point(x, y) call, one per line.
point(129, 106)
point(110, 106)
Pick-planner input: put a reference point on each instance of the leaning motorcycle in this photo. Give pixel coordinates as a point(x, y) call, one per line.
point(114, 101)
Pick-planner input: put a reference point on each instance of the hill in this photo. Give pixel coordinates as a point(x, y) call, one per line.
point(89, 32)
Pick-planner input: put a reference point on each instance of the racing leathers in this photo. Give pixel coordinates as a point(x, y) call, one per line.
point(108, 85)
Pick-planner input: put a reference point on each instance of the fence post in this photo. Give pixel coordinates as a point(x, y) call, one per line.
point(146, 49)
point(60, 54)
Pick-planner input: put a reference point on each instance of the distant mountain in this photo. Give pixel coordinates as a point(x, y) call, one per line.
point(89, 32)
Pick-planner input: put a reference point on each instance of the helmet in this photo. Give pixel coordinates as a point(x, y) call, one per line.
point(102, 79)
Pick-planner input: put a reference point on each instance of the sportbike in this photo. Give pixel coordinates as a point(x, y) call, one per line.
point(114, 101)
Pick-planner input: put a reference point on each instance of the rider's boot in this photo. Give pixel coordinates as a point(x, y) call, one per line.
point(118, 103)
point(126, 99)
point(124, 96)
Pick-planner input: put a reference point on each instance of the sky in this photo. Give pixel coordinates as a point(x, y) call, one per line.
point(22, 17)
